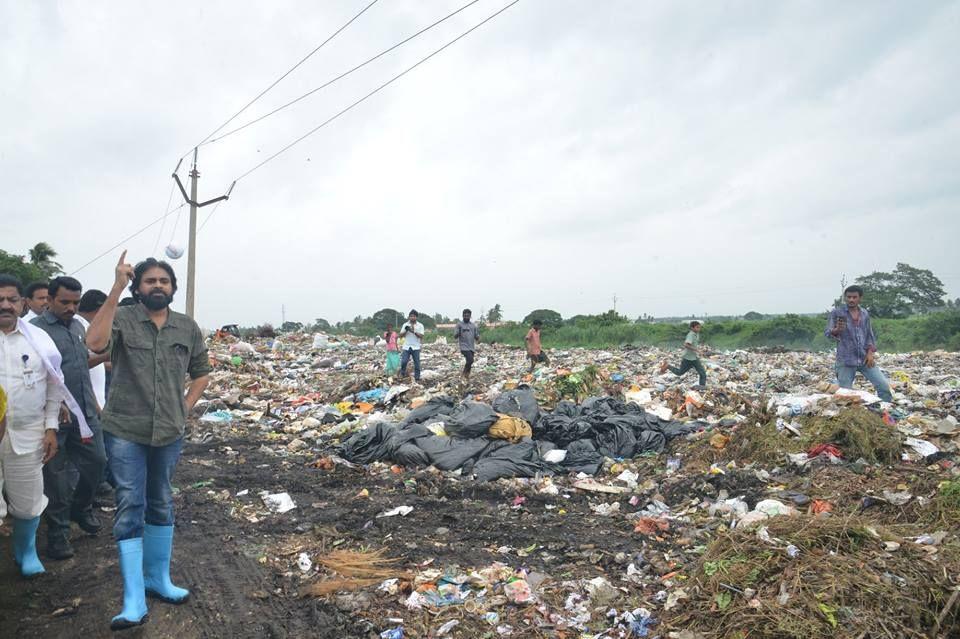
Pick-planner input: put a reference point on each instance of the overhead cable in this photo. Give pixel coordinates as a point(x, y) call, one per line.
point(374, 92)
point(288, 72)
point(211, 140)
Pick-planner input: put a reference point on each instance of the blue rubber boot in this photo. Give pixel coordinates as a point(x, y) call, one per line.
point(157, 548)
point(25, 546)
point(134, 610)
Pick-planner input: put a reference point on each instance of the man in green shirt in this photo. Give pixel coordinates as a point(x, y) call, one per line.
point(152, 350)
point(691, 355)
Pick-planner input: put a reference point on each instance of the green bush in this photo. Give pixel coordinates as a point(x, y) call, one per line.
point(929, 332)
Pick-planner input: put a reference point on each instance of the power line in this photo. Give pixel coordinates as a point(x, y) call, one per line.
point(291, 70)
point(127, 239)
point(375, 91)
point(209, 215)
point(339, 77)
point(156, 244)
point(176, 223)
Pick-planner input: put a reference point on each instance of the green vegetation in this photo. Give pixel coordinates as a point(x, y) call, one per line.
point(548, 317)
point(37, 266)
point(905, 291)
point(939, 330)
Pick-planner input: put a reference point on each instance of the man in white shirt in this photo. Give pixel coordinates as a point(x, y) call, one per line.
point(30, 440)
point(34, 300)
point(412, 334)
point(90, 303)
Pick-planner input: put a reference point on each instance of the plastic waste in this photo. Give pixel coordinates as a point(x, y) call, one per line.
point(278, 502)
point(402, 511)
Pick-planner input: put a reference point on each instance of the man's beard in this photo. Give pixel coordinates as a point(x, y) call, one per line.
point(156, 300)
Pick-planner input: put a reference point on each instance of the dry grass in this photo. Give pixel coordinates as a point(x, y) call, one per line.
point(858, 432)
point(843, 583)
point(354, 570)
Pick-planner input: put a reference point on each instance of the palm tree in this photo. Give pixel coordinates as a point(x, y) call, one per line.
point(42, 256)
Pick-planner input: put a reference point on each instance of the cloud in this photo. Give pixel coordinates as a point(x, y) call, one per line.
point(687, 157)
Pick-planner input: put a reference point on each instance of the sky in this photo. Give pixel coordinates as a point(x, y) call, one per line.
point(682, 157)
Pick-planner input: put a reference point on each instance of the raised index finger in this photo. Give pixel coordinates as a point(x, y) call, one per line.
point(123, 258)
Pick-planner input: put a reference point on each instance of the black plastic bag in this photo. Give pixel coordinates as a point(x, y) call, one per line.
point(471, 419)
point(561, 430)
point(448, 453)
point(432, 408)
point(614, 439)
point(519, 402)
point(582, 457)
point(374, 443)
point(512, 460)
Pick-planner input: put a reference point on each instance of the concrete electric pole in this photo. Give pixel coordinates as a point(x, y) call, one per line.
point(194, 205)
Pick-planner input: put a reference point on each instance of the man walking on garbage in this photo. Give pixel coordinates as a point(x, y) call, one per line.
point(468, 335)
point(534, 350)
point(28, 422)
point(68, 502)
point(152, 349)
point(691, 355)
point(412, 334)
point(856, 344)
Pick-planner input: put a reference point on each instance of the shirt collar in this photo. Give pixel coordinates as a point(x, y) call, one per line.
point(16, 330)
point(50, 318)
point(142, 315)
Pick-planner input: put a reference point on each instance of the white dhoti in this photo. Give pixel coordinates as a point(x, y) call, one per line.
point(21, 482)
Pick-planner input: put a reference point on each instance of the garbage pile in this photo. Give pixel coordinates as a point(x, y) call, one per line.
point(596, 497)
point(512, 438)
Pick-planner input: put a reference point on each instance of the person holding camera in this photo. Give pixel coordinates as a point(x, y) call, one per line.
point(412, 334)
point(856, 344)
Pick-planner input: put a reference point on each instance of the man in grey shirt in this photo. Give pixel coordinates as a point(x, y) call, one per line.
point(467, 335)
point(89, 458)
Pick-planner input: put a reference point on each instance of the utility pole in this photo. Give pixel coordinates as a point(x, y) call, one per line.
point(283, 314)
point(614, 302)
point(194, 205)
point(192, 250)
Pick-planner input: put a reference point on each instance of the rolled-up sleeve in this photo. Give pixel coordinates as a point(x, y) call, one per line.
point(199, 359)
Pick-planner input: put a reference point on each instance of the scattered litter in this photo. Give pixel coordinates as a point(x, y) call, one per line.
point(278, 502)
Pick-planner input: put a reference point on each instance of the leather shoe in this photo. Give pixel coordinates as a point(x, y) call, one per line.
point(58, 547)
point(88, 522)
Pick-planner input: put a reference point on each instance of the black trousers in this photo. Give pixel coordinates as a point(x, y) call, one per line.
point(468, 356)
point(89, 461)
point(687, 364)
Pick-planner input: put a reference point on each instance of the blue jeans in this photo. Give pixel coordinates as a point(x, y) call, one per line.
point(874, 375)
point(405, 359)
point(142, 476)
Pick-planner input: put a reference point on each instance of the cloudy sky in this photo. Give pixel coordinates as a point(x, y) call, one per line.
point(687, 157)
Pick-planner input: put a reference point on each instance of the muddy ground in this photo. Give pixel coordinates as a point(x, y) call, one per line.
point(235, 593)
point(243, 577)
point(240, 561)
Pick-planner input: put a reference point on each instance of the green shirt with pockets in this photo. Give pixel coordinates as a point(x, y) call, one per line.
point(146, 402)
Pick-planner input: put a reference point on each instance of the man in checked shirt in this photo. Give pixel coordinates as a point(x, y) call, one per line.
point(856, 344)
